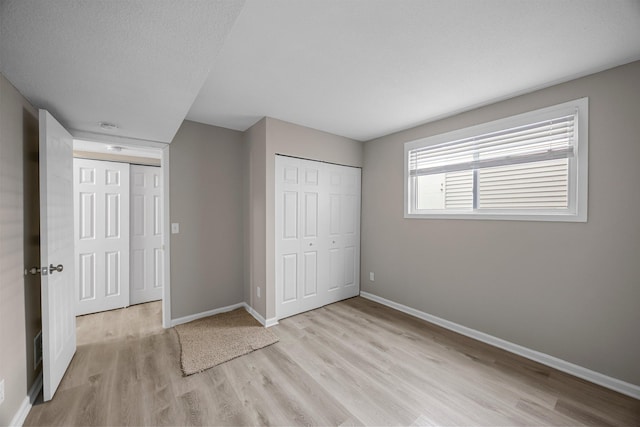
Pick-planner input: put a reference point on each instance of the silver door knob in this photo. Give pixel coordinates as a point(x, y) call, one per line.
point(34, 270)
point(53, 268)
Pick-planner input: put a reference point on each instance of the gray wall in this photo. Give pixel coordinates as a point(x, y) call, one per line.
point(255, 222)
point(571, 290)
point(13, 358)
point(206, 174)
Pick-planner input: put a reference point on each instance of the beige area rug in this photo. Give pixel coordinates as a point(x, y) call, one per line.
point(216, 339)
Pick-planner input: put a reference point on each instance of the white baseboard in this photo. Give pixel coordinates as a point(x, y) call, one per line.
point(27, 403)
point(551, 361)
point(266, 323)
point(192, 317)
point(272, 321)
point(255, 314)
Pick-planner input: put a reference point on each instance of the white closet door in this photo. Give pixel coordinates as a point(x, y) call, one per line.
point(315, 265)
point(147, 254)
point(288, 298)
point(298, 228)
point(344, 233)
point(101, 201)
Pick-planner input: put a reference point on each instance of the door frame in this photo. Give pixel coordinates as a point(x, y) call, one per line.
point(163, 148)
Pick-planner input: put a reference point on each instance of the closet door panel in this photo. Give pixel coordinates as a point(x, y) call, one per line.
point(288, 215)
point(344, 237)
point(310, 244)
point(101, 202)
point(146, 234)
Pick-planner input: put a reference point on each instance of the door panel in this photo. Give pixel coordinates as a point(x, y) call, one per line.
point(56, 239)
point(113, 273)
point(158, 268)
point(310, 215)
point(102, 235)
point(348, 214)
point(348, 239)
point(87, 276)
point(310, 273)
point(335, 269)
point(290, 215)
point(349, 266)
point(113, 212)
point(137, 276)
point(290, 277)
point(288, 210)
point(87, 212)
point(334, 214)
point(147, 278)
point(157, 215)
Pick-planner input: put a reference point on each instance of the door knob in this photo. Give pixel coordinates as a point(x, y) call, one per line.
point(53, 268)
point(34, 271)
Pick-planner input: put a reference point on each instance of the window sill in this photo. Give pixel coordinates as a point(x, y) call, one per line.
point(549, 217)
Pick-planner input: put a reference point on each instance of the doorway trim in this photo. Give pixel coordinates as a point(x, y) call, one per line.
point(163, 148)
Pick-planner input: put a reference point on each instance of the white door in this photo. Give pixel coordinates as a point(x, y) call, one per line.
point(298, 228)
point(344, 233)
point(147, 255)
point(317, 234)
point(56, 252)
point(101, 201)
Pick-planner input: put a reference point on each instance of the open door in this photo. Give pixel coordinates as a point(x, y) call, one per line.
point(56, 252)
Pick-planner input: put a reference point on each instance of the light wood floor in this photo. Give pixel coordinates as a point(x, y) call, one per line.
point(351, 363)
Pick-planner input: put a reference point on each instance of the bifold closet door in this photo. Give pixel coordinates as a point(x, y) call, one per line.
point(317, 234)
point(299, 225)
point(147, 255)
point(344, 185)
point(101, 202)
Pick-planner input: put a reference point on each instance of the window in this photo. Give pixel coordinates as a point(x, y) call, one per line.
point(532, 166)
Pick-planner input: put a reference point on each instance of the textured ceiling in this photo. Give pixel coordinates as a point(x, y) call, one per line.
point(138, 64)
point(365, 69)
point(360, 69)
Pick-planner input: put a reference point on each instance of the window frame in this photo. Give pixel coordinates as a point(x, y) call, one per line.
point(577, 175)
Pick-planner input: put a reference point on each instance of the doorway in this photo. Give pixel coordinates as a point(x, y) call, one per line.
point(119, 250)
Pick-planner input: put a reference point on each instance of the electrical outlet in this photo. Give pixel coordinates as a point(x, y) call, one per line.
point(258, 291)
point(371, 276)
point(1, 391)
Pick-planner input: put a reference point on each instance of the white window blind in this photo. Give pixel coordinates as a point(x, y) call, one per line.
point(532, 165)
point(545, 140)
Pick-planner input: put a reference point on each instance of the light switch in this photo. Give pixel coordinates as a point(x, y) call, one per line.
point(175, 227)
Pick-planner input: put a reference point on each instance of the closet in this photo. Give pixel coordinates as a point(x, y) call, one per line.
point(317, 234)
point(118, 234)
